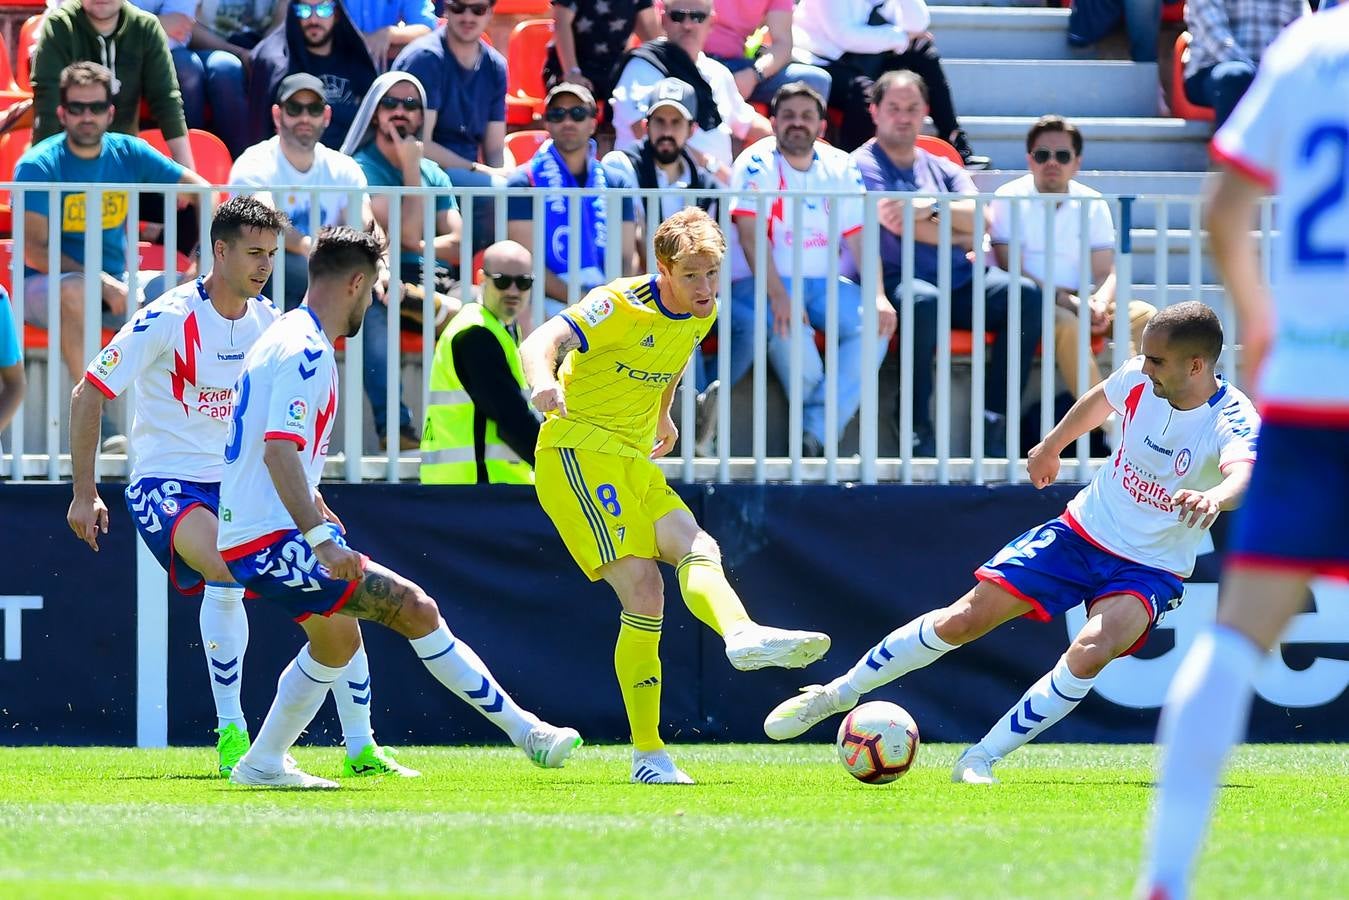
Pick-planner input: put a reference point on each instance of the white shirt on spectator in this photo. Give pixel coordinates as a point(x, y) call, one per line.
point(1067, 229)
point(823, 30)
point(265, 167)
point(672, 198)
point(760, 168)
point(640, 77)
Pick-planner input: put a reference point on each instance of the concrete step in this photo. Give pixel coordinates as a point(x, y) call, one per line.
point(1004, 87)
point(976, 32)
point(1142, 144)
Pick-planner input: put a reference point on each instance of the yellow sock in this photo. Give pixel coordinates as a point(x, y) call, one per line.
point(637, 663)
point(708, 594)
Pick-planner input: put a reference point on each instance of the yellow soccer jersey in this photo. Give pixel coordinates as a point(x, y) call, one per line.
point(632, 347)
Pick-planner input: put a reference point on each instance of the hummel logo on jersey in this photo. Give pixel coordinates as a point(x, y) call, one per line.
point(649, 341)
point(653, 681)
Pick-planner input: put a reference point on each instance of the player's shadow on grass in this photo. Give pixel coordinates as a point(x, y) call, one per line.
point(170, 777)
point(1103, 782)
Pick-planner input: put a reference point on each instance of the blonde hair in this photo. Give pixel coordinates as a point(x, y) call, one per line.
point(689, 232)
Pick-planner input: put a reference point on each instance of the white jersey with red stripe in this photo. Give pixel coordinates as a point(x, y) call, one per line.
point(1126, 509)
point(288, 391)
point(183, 357)
point(1291, 133)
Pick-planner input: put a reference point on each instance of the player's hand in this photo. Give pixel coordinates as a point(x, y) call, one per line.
point(1100, 316)
point(667, 433)
point(1196, 508)
point(327, 513)
point(1042, 466)
point(342, 563)
point(549, 399)
point(87, 517)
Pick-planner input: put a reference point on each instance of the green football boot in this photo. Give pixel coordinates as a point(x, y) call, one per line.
point(232, 745)
point(376, 760)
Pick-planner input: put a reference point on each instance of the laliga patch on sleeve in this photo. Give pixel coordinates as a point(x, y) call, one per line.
point(297, 412)
point(107, 361)
point(596, 310)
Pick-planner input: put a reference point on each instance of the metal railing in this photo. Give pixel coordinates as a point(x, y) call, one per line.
point(1176, 232)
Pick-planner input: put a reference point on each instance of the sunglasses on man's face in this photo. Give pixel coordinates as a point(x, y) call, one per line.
point(322, 10)
point(575, 113)
point(77, 108)
point(411, 104)
point(295, 108)
point(1062, 157)
point(458, 9)
point(523, 282)
point(696, 16)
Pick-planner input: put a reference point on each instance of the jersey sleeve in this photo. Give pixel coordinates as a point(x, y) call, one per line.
point(1238, 428)
point(297, 380)
point(599, 319)
point(141, 341)
point(1122, 381)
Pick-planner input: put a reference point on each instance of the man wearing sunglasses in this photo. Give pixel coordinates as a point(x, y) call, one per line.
point(1054, 156)
point(318, 39)
point(465, 83)
point(567, 160)
point(479, 428)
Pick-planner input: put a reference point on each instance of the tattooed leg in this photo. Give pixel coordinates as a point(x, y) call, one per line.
point(388, 598)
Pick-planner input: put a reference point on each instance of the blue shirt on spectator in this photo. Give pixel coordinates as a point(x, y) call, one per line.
point(465, 100)
point(379, 172)
point(372, 15)
point(9, 341)
point(522, 207)
point(929, 175)
point(124, 158)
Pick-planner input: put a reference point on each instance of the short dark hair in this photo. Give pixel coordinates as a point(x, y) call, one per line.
point(238, 213)
point(341, 250)
point(1048, 124)
point(896, 78)
point(82, 74)
point(1192, 326)
point(796, 89)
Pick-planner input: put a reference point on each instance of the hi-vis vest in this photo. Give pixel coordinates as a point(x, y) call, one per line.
point(449, 452)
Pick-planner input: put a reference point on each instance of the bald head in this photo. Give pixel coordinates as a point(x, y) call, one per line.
point(510, 262)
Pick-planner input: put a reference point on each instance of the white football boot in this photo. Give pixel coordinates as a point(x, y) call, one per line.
point(975, 766)
point(289, 776)
point(656, 767)
point(754, 646)
point(548, 746)
point(795, 715)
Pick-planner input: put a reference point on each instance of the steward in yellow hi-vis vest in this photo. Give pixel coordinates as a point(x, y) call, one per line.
point(479, 426)
point(626, 344)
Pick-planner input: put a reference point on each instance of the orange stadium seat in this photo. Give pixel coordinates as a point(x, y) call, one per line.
point(208, 151)
point(522, 8)
point(28, 34)
point(1180, 104)
point(522, 145)
point(525, 56)
point(938, 147)
point(12, 146)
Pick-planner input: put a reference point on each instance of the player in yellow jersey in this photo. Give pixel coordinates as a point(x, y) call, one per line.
point(626, 344)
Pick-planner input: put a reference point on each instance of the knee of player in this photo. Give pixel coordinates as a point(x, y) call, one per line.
point(1088, 655)
point(419, 610)
point(214, 570)
point(960, 624)
point(705, 545)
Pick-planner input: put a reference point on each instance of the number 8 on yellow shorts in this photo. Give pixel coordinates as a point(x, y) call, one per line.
point(603, 505)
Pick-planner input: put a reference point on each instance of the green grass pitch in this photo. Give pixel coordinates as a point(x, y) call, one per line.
point(764, 821)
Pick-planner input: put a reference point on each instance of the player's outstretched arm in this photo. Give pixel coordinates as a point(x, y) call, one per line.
point(667, 433)
point(282, 458)
point(1090, 411)
point(539, 355)
point(87, 515)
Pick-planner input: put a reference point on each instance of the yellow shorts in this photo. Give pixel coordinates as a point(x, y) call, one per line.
point(603, 505)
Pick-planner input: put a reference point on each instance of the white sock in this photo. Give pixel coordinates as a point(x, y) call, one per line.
point(908, 647)
point(300, 692)
point(456, 666)
point(1049, 700)
point(352, 693)
point(1205, 714)
point(224, 637)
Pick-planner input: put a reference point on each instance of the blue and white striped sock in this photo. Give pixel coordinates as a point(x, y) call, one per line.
point(456, 666)
point(1049, 700)
point(352, 692)
point(909, 647)
point(224, 637)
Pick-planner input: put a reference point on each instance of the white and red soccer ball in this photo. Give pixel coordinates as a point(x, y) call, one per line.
point(878, 742)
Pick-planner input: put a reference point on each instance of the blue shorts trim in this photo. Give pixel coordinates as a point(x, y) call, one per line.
point(1295, 515)
point(1053, 568)
point(282, 568)
point(157, 505)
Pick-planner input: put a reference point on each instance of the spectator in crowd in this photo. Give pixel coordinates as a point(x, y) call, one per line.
point(753, 38)
point(294, 156)
point(390, 25)
point(1054, 156)
point(857, 41)
point(1092, 20)
point(206, 77)
point(590, 37)
point(12, 382)
point(480, 428)
point(892, 161)
point(235, 26)
point(85, 151)
point(722, 111)
point(795, 159)
point(465, 83)
point(318, 39)
point(567, 160)
point(387, 141)
point(128, 42)
point(1227, 39)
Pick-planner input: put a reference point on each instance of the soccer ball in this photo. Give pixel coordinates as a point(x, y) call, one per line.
point(878, 742)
